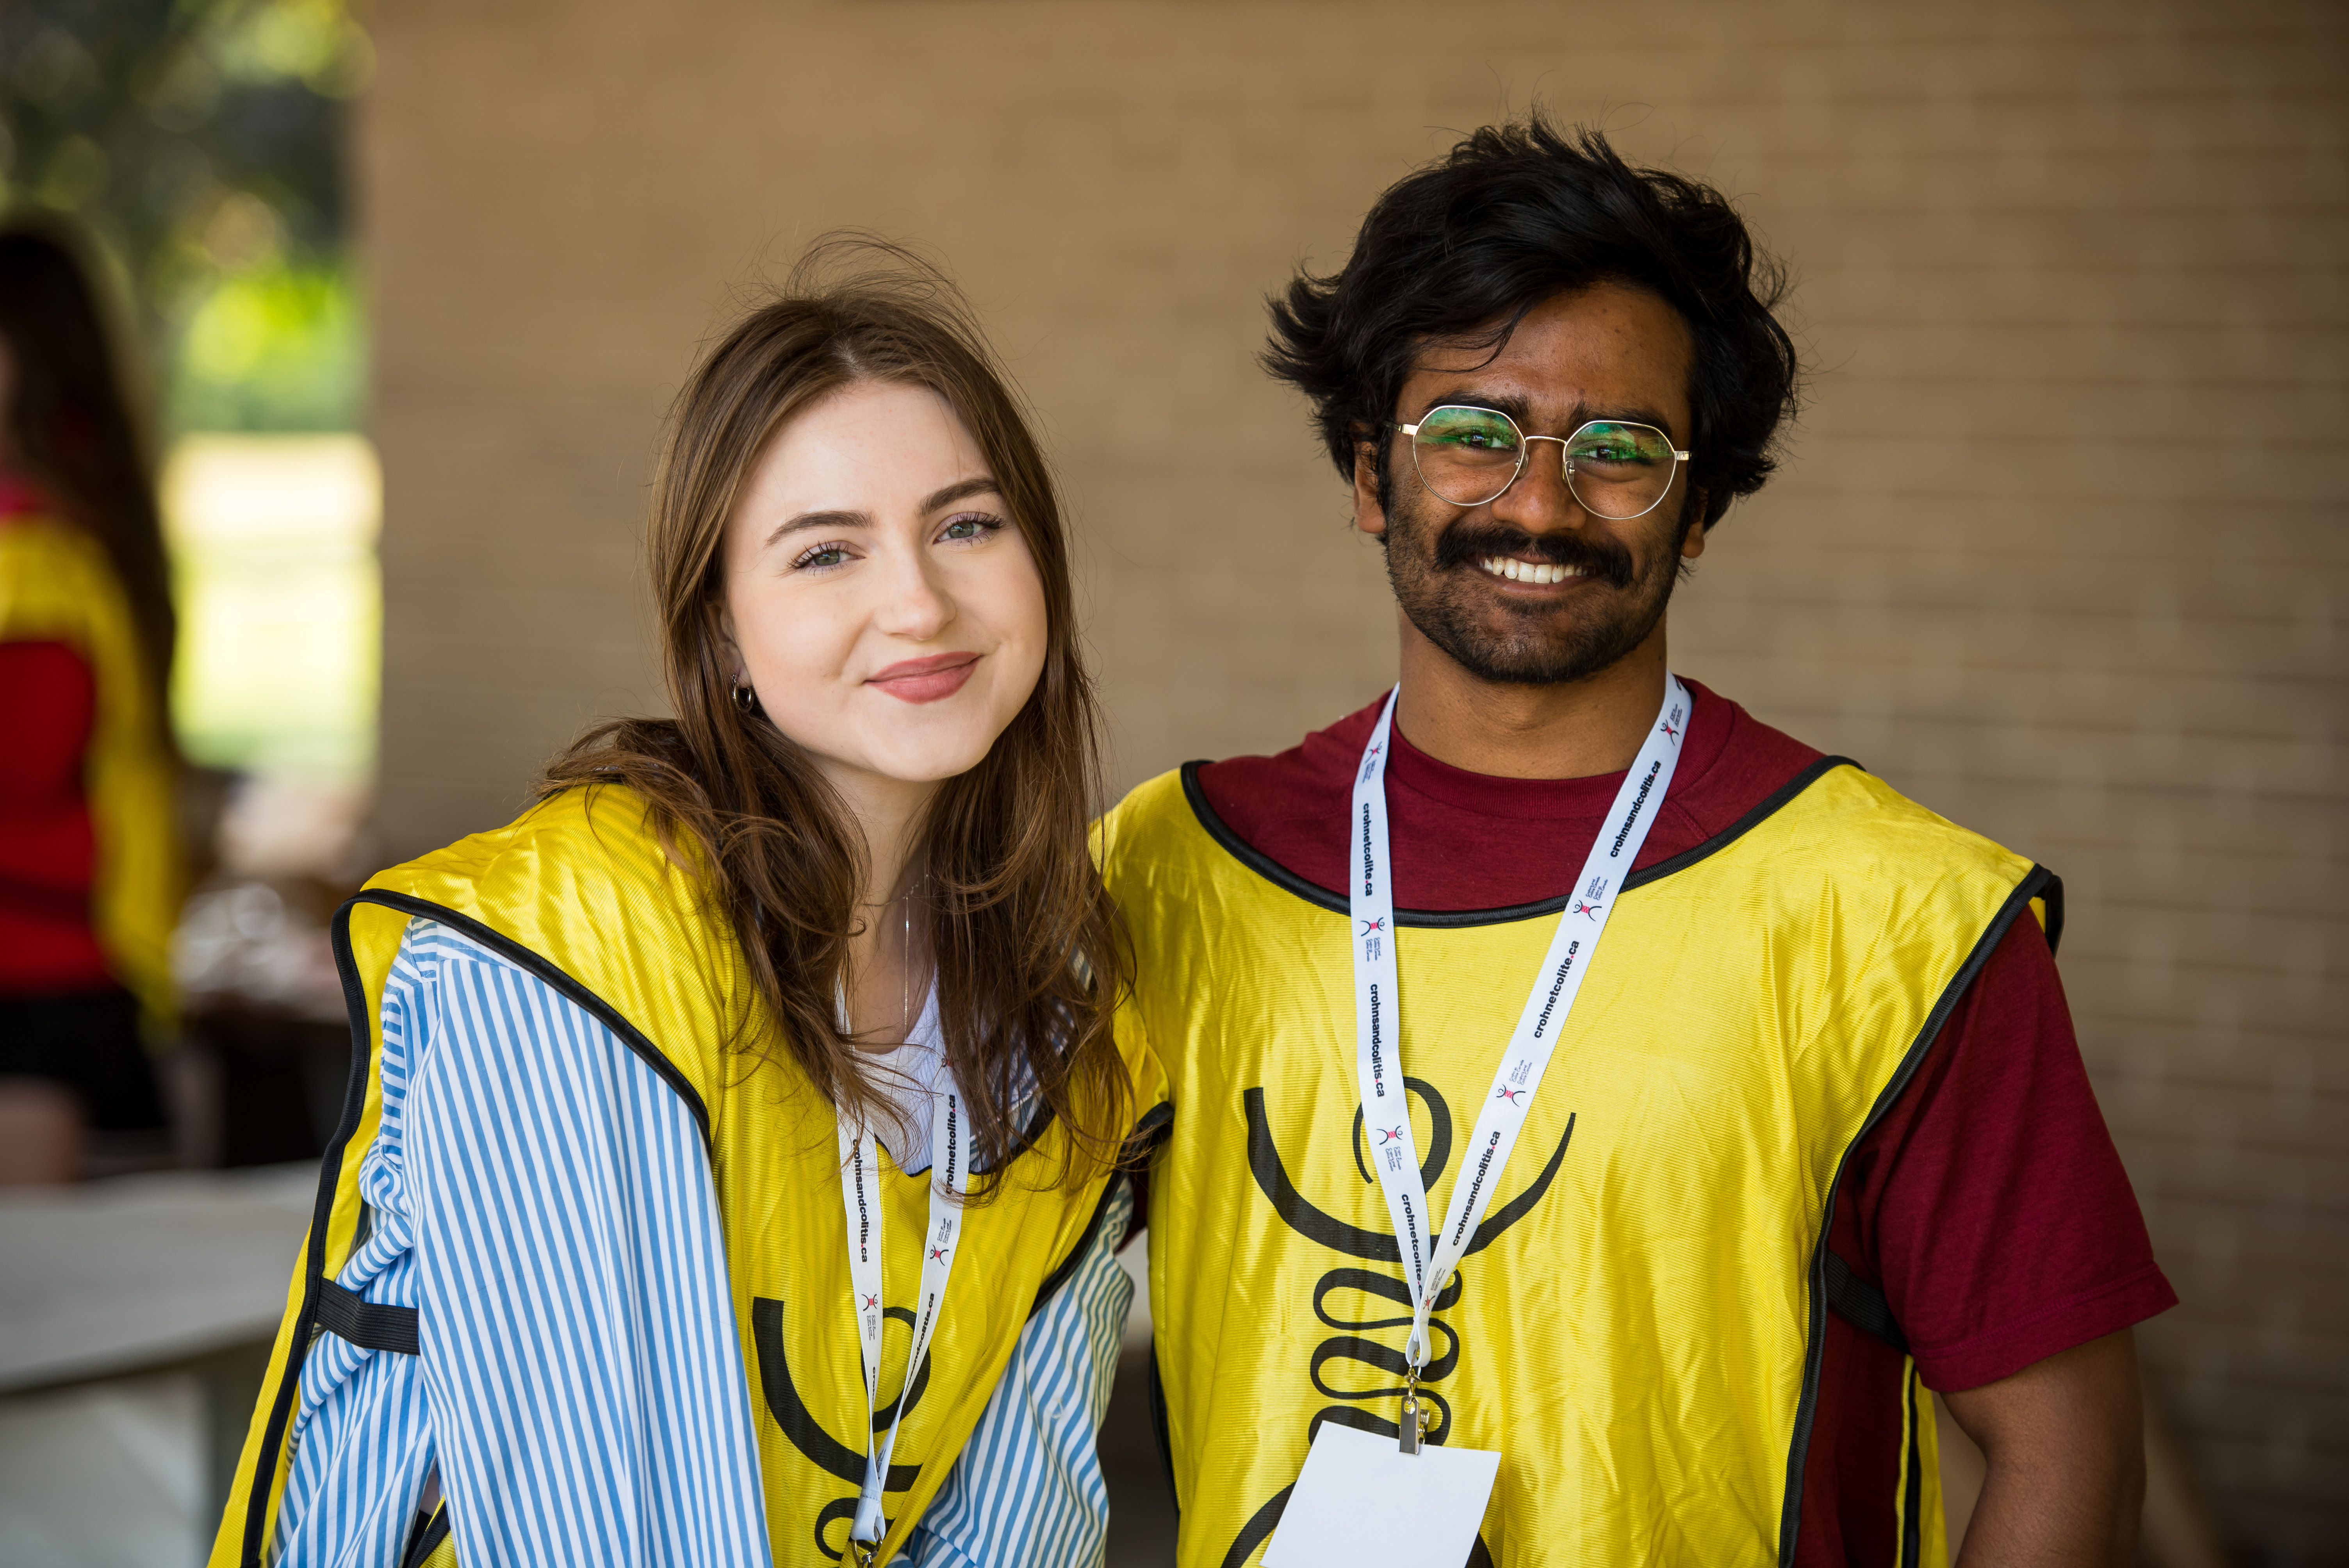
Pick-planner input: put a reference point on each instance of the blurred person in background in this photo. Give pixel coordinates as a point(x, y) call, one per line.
point(769, 1026)
point(90, 879)
point(1818, 1139)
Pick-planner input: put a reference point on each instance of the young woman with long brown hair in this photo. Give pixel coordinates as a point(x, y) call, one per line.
point(734, 1176)
point(90, 876)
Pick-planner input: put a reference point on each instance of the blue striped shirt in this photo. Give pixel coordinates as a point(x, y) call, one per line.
point(542, 1198)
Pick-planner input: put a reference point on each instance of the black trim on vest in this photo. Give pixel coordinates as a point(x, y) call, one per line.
point(1155, 1388)
point(1062, 1271)
point(1761, 811)
point(370, 1326)
point(2053, 893)
point(428, 1534)
point(1861, 1304)
point(309, 1320)
point(1154, 1126)
point(2035, 883)
point(314, 1271)
point(545, 969)
point(1148, 1133)
point(1280, 876)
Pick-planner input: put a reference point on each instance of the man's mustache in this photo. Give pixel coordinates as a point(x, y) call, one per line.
point(1465, 544)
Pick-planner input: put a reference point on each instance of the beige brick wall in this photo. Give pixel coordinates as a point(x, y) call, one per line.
point(2058, 548)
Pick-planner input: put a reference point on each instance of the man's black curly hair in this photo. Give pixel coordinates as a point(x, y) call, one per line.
point(1513, 214)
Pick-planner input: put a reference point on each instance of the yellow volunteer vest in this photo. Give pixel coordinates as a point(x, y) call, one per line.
point(579, 891)
point(1636, 1327)
point(57, 586)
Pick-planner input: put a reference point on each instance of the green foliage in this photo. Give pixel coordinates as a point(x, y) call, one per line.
point(201, 142)
point(273, 348)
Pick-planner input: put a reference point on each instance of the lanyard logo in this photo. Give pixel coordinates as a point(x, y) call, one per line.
point(1589, 903)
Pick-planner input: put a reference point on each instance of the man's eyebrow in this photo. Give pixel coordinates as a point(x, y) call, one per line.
point(1515, 406)
point(961, 489)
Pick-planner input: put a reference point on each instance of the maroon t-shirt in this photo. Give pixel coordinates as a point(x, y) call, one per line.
point(1988, 1205)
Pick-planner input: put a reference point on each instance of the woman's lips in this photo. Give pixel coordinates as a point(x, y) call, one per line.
point(925, 680)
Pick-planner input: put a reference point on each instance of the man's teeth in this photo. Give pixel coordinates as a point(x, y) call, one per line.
point(1526, 571)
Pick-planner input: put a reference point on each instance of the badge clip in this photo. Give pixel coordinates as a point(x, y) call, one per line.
point(1413, 1425)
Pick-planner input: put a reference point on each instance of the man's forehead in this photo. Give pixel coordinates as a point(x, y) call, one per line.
point(1600, 349)
point(1607, 325)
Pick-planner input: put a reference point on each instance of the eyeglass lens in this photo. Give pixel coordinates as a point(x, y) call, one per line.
point(1615, 471)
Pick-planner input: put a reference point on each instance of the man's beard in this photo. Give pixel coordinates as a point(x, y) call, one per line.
point(1536, 643)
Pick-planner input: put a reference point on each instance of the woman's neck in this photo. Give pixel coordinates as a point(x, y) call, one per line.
point(889, 973)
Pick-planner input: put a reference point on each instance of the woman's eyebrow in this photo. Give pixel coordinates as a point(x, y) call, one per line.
point(808, 520)
point(982, 484)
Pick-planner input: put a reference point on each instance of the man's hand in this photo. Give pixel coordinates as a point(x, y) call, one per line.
point(2064, 1442)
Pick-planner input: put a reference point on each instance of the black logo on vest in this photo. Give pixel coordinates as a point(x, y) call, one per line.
point(1350, 1343)
point(822, 1449)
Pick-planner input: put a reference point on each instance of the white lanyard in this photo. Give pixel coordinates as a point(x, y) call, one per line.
point(1386, 1106)
point(860, 1199)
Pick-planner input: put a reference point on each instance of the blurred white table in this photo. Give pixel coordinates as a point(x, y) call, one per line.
point(141, 1272)
point(136, 1317)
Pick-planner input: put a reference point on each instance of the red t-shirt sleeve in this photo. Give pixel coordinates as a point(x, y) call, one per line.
point(1990, 1205)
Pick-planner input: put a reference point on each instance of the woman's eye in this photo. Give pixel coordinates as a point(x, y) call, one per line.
point(972, 526)
point(823, 555)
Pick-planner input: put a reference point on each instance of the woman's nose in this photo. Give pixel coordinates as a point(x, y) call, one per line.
point(914, 603)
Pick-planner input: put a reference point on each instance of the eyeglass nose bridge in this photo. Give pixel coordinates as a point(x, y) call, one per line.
point(1525, 461)
point(1564, 455)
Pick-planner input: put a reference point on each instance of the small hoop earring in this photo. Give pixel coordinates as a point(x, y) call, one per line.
point(747, 699)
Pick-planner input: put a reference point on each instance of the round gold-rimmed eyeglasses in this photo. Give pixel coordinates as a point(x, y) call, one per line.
point(1617, 469)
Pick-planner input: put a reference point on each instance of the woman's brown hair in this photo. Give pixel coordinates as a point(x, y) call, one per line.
point(73, 431)
point(1024, 937)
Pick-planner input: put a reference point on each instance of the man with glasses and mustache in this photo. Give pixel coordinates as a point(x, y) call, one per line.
point(1601, 1118)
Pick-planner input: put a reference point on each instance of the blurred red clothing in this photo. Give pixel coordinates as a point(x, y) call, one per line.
point(49, 705)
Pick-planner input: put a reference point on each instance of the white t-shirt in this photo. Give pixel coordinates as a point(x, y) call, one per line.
point(906, 1077)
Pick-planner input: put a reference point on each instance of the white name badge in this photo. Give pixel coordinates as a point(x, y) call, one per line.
point(1361, 1499)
